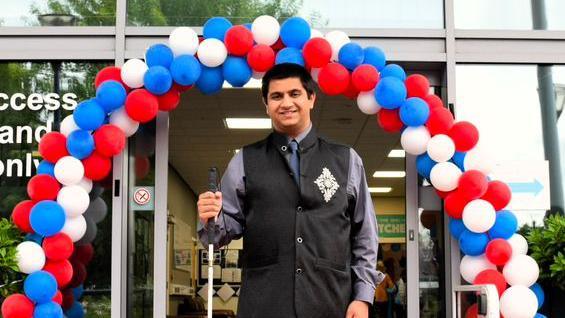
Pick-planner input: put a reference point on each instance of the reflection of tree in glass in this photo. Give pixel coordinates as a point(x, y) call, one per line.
point(88, 12)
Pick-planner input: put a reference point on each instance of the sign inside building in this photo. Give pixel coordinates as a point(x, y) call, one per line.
point(392, 228)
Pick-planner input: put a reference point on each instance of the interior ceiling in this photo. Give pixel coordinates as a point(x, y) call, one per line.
point(200, 139)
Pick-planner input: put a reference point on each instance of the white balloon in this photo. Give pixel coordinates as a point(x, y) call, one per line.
point(519, 244)
point(518, 302)
point(90, 234)
point(96, 210)
point(132, 73)
point(415, 140)
point(479, 216)
point(315, 72)
point(258, 75)
point(471, 266)
point(121, 119)
point(337, 39)
point(316, 34)
point(212, 52)
point(445, 176)
point(521, 270)
point(441, 148)
point(479, 158)
point(30, 257)
point(75, 227)
point(183, 40)
point(74, 200)
point(68, 125)
point(69, 170)
point(86, 184)
point(367, 103)
point(265, 30)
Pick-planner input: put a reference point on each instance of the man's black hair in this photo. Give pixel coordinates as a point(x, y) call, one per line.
point(288, 70)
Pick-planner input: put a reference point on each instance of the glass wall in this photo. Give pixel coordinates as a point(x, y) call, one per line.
point(320, 13)
point(57, 13)
point(508, 14)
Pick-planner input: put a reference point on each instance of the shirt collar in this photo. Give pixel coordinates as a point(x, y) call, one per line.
point(306, 139)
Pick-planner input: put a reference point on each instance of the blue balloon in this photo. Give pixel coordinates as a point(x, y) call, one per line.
point(473, 244)
point(80, 144)
point(295, 32)
point(40, 286)
point(504, 226)
point(216, 28)
point(289, 55)
point(76, 311)
point(456, 227)
point(458, 159)
point(374, 56)
point(393, 70)
point(424, 165)
point(248, 26)
point(46, 167)
point(390, 92)
point(158, 80)
point(111, 95)
point(414, 112)
point(185, 70)
point(236, 71)
point(48, 310)
point(210, 80)
point(89, 115)
point(77, 292)
point(540, 294)
point(159, 55)
point(47, 218)
point(538, 315)
point(34, 237)
point(351, 55)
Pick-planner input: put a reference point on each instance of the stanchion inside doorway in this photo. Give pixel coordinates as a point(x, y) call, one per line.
point(213, 187)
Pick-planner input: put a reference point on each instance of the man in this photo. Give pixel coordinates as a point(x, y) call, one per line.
point(304, 211)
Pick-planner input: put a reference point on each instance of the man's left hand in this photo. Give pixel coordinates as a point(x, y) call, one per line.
point(357, 309)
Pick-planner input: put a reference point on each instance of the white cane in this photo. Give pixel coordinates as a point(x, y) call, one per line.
point(213, 187)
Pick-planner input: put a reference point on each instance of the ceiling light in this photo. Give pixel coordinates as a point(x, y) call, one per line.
point(379, 189)
point(248, 123)
point(396, 153)
point(389, 174)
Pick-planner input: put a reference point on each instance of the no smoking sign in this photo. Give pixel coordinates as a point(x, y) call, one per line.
point(142, 199)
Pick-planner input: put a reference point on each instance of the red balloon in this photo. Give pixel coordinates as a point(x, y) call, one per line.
point(465, 135)
point(440, 121)
point(142, 166)
point(110, 73)
point(491, 276)
point(62, 270)
point(389, 120)
point(169, 101)
point(433, 101)
point(68, 298)
point(473, 184)
point(182, 88)
point(261, 58)
point(58, 298)
point(110, 140)
point(498, 194)
point(83, 253)
point(17, 306)
point(58, 247)
point(454, 204)
point(443, 194)
point(53, 146)
point(20, 215)
point(472, 311)
point(141, 105)
point(351, 92)
point(277, 46)
point(317, 52)
point(43, 187)
point(498, 251)
point(97, 166)
point(417, 85)
point(365, 77)
point(79, 274)
point(333, 79)
point(238, 40)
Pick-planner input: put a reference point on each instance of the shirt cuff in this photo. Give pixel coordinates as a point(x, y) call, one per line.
point(363, 291)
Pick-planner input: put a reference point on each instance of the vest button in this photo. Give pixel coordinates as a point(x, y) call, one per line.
point(299, 240)
point(283, 148)
point(299, 209)
point(299, 271)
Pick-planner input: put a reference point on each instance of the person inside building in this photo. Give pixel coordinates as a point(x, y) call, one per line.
point(302, 205)
point(382, 305)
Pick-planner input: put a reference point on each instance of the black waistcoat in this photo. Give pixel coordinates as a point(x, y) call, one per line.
point(296, 244)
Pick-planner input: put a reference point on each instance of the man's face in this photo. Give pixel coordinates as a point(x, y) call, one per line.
point(288, 105)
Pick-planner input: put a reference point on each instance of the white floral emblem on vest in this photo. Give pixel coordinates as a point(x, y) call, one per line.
point(327, 183)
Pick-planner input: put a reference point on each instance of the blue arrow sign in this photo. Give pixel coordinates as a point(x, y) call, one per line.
point(534, 187)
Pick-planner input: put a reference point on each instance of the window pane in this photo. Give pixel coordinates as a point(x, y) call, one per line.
point(506, 14)
point(320, 13)
point(58, 13)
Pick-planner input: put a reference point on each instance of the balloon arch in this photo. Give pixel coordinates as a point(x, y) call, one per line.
point(60, 212)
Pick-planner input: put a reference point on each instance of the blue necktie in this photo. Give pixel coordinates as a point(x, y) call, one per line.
point(295, 161)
